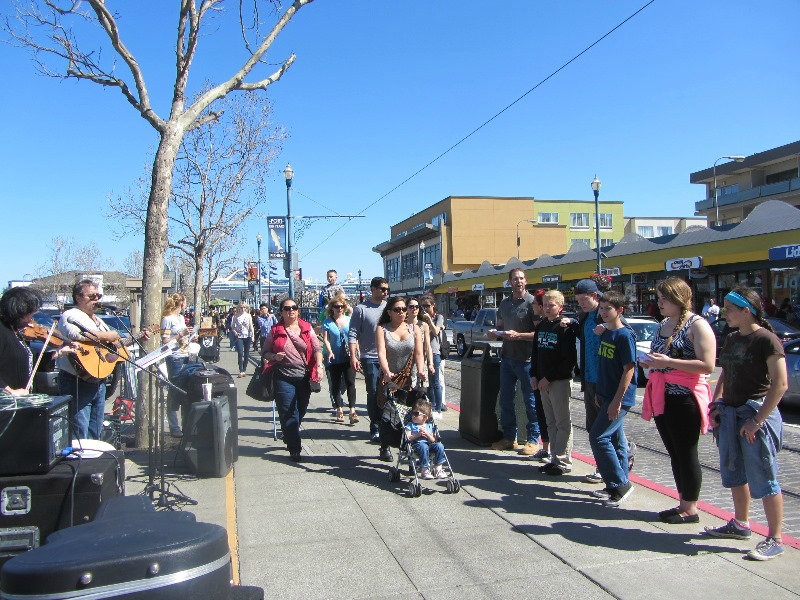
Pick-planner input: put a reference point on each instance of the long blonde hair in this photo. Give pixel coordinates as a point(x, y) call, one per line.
point(173, 302)
point(678, 292)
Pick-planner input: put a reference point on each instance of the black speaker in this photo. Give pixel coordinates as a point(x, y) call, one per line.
point(209, 438)
point(33, 436)
point(222, 384)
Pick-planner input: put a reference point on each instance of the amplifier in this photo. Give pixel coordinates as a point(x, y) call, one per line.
point(33, 434)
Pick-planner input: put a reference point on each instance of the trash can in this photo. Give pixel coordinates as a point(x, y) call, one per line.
point(209, 345)
point(480, 384)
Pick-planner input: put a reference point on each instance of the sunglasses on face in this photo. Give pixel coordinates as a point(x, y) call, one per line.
point(338, 306)
point(289, 308)
point(417, 413)
point(413, 306)
point(93, 296)
point(426, 305)
point(382, 289)
point(399, 309)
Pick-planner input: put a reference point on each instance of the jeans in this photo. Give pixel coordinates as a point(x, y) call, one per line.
point(87, 405)
point(372, 373)
point(511, 371)
point(591, 402)
point(174, 398)
point(435, 388)
point(425, 450)
point(610, 447)
point(243, 353)
point(291, 399)
point(232, 338)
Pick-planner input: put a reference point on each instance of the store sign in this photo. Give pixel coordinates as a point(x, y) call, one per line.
point(477, 287)
point(639, 278)
point(701, 273)
point(551, 278)
point(787, 252)
point(683, 264)
point(452, 290)
point(611, 271)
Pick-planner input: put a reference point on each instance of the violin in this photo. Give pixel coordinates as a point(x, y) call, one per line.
point(34, 331)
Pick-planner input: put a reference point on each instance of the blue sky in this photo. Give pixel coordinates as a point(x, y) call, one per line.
point(382, 87)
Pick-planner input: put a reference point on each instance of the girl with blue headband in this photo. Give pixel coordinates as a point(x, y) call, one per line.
point(747, 422)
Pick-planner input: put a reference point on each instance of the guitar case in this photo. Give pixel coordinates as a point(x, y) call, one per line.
point(165, 555)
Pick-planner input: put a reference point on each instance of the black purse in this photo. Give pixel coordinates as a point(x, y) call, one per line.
point(261, 386)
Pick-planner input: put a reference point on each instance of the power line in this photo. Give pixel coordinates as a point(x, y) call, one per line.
point(485, 123)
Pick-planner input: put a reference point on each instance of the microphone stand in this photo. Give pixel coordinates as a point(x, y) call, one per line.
point(166, 499)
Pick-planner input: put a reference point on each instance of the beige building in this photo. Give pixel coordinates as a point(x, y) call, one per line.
point(652, 227)
point(463, 232)
point(741, 186)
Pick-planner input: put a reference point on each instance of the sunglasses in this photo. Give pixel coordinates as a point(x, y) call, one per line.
point(417, 413)
point(93, 296)
point(426, 305)
point(398, 309)
point(382, 289)
point(338, 305)
point(414, 306)
point(289, 308)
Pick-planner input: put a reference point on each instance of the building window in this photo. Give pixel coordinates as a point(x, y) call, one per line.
point(410, 270)
point(393, 269)
point(664, 231)
point(439, 219)
point(645, 231)
point(433, 255)
point(579, 220)
point(550, 218)
point(586, 241)
point(606, 242)
point(782, 176)
point(606, 220)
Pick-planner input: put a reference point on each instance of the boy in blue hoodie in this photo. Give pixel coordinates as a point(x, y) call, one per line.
point(616, 395)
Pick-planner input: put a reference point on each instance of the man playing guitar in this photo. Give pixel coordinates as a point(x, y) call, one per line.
point(88, 393)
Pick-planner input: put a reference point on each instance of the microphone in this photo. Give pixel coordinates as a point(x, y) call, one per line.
point(81, 327)
point(110, 307)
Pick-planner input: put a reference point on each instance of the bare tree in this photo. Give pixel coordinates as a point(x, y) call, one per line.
point(132, 265)
point(57, 268)
point(47, 27)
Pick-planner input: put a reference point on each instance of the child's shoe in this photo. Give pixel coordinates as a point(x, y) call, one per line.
point(425, 473)
point(439, 472)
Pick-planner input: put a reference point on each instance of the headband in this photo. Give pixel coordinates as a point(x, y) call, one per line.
point(740, 301)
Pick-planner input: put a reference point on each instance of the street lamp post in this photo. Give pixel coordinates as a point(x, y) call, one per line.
point(532, 221)
point(359, 285)
point(596, 183)
point(421, 265)
point(258, 241)
point(288, 174)
point(736, 157)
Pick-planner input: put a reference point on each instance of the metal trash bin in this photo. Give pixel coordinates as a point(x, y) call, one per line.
point(480, 384)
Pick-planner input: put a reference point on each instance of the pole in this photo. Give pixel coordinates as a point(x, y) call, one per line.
point(289, 245)
point(597, 228)
point(716, 194)
point(260, 295)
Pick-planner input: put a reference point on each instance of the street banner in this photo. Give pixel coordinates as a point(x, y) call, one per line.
point(277, 237)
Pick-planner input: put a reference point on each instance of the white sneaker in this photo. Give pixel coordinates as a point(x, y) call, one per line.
point(425, 474)
point(593, 478)
point(439, 472)
point(436, 415)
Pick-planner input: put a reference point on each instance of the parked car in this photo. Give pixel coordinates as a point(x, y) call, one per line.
point(784, 330)
point(792, 395)
point(448, 330)
point(645, 328)
point(470, 332)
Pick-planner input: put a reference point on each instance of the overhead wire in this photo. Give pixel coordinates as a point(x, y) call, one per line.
point(484, 124)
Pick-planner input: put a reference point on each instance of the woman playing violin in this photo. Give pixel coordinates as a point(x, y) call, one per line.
point(17, 307)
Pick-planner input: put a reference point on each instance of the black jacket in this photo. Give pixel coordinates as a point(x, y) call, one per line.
point(554, 351)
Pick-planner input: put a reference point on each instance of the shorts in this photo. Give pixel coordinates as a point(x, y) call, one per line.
point(755, 464)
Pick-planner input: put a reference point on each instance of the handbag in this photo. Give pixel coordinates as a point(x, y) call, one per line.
point(261, 386)
point(401, 380)
point(444, 344)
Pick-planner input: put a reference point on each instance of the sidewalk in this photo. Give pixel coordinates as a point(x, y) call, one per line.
point(333, 526)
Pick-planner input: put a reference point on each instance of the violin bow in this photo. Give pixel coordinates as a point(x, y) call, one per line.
point(41, 354)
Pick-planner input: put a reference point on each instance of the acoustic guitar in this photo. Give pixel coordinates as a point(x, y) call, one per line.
point(97, 360)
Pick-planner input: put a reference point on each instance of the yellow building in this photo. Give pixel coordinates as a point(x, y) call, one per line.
point(463, 232)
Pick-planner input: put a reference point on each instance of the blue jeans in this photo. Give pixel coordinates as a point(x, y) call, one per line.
point(372, 373)
point(610, 447)
point(511, 371)
point(291, 400)
point(232, 339)
point(174, 397)
point(243, 353)
point(435, 389)
point(87, 405)
point(425, 450)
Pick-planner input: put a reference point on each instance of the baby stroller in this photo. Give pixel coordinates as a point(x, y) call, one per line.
point(395, 416)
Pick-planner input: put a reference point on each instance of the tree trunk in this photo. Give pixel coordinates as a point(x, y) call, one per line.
point(155, 247)
point(199, 257)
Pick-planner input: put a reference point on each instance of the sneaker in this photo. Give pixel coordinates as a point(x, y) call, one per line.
point(603, 494)
point(618, 496)
point(436, 415)
point(766, 550)
point(176, 433)
point(593, 478)
point(444, 408)
point(385, 455)
point(542, 455)
point(505, 444)
point(529, 449)
point(556, 470)
point(439, 472)
point(731, 530)
point(425, 474)
point(375, 438)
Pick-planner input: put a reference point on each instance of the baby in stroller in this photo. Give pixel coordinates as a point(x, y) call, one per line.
point(422, 437)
